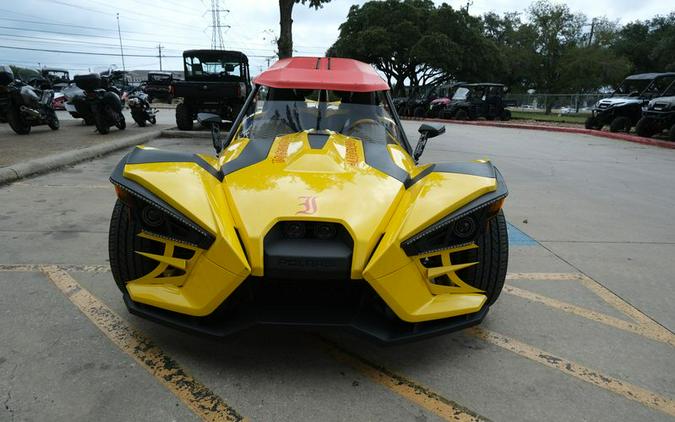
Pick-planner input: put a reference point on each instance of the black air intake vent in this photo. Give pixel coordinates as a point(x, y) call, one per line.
point(308, 250)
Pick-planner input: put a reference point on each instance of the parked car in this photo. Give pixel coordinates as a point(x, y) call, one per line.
point(475, 100)
point(623, 109)
point(24, 106)
point(99, 103)
point(299, 218)
point(216, 81)
point(659, 115)
point(158, 86)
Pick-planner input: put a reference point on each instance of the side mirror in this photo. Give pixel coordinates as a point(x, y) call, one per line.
point(427, 131)
point(214, 121)
point(430, 130)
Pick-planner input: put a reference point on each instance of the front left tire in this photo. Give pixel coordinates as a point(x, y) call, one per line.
point(492, 256)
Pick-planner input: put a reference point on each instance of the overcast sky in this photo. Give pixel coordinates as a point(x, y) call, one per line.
point(90, 26)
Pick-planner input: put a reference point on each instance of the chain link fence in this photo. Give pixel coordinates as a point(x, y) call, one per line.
point(559, 103)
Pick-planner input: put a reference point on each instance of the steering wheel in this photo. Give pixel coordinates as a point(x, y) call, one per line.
point(359, 122)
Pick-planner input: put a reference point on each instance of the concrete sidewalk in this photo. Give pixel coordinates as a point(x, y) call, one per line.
point(43, 149)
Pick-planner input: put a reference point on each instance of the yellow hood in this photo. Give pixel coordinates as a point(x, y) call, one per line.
point(309, 177)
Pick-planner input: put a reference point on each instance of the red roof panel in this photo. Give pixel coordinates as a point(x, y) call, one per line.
point(332, 73)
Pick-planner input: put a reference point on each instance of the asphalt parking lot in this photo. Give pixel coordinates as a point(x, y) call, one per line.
point(582, 332)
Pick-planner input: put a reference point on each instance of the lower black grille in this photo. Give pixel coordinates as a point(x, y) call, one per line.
point(301, 250)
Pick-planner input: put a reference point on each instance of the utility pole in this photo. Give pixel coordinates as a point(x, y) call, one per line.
point(159, 47)
point(216, 32)
point(119, 34)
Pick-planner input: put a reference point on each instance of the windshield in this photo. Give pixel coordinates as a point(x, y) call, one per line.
point(632, 87)
point(362, 115)
point(58, 75)
point(461, 93)
point(670, 91)
point(155, 77)
point(661, 85)
point(213, 68)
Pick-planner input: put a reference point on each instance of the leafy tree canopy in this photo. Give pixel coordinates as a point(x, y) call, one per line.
point(416, 41)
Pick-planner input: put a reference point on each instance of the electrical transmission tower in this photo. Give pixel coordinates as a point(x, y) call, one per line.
point(217, 42)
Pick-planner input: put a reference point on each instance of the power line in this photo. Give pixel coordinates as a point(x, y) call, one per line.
point(108, 54)
point(81, 35)
point(58, 41)
point(60, 24)
point(76, 52)
point(112, 46)
point(80, 7)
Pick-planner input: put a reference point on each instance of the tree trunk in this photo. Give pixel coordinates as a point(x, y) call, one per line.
point(285, 41)
point(400, 85)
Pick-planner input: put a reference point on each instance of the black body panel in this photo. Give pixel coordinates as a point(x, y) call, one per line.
point(361, 315)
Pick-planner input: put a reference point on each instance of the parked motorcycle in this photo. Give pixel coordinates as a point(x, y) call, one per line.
point(24, 106)
point(139, 104)
point(98, 104)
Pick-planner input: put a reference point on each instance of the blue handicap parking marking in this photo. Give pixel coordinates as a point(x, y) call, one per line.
point(518, 238)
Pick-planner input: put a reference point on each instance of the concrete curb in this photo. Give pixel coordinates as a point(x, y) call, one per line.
point(18, 171)
point(200, 134)
point(175, 133)
point(600, 134)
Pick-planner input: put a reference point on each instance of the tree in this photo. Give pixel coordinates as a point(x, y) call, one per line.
point(648, 45)
point(24, 73)
point(557, 29)
point(516, 48)
point(412, 40)
point(285, 41)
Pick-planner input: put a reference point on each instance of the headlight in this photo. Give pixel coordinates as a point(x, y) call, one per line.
point(461, 227)
point(158, 218)
point(155, 215)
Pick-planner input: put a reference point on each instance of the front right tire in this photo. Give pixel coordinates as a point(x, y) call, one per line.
point(461, 114)
point(620, 124)
point(125, 263)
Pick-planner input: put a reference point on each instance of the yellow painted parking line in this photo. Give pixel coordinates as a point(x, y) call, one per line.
point(632, 327)
point(543, 276)
point(568, 367)
point(615, 301)
point(67, 268)
point(202, 401)
point(410, 390)
point(19, 268)
point(646, 326)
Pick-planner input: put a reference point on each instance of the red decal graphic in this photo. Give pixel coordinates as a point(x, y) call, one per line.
point(308, 205)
